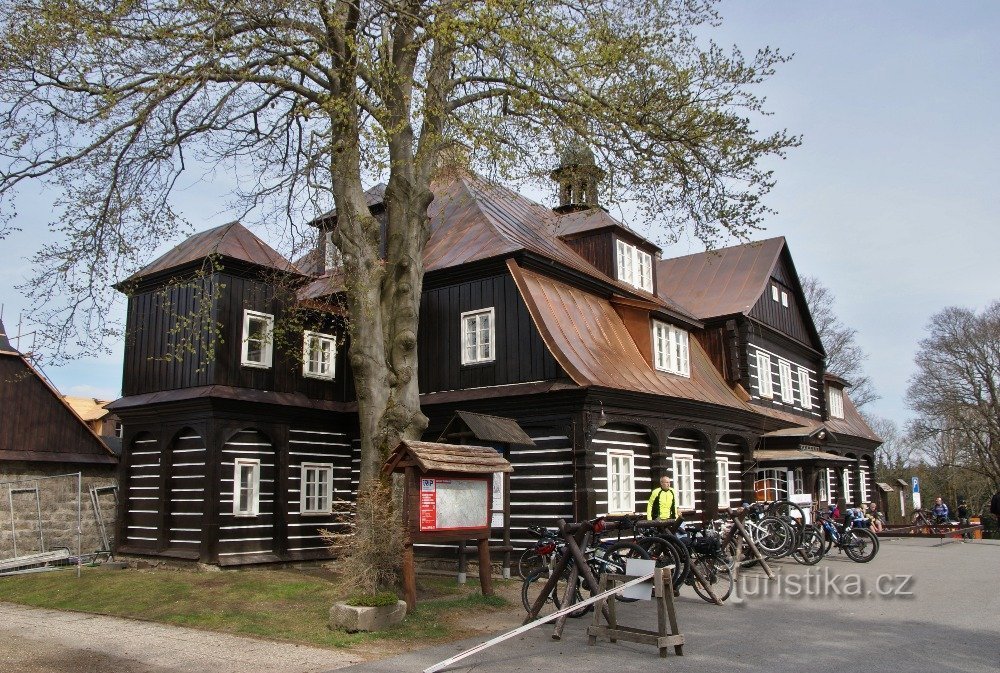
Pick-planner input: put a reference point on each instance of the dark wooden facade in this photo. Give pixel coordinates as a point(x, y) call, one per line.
point(188, 421)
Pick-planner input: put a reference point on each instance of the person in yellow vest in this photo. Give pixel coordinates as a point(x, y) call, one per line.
point(662, 502)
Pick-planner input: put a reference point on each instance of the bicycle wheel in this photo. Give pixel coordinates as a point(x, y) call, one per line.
point(615, 559)
point(665, 553)
point(529, 562)
point(718, 575)
point(534, 584)
point(773, 537)
point(811, 548)
point(860, 545)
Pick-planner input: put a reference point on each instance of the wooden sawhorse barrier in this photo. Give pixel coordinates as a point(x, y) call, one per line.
point(666, 615)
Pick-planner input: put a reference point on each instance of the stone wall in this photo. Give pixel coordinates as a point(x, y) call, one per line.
point(58, 504)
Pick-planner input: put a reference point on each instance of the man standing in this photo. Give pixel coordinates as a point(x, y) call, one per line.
point(662, 502)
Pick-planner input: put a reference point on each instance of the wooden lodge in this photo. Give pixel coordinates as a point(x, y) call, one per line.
point(617, 366)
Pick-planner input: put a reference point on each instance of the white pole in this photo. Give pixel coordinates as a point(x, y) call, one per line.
point(79, 524)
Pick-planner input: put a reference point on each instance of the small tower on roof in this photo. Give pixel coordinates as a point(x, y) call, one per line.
point(578, 176)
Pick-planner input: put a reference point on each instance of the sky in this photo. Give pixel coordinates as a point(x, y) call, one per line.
point(886, 201)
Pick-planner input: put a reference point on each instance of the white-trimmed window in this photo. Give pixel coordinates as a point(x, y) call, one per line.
point(771, 484)
point(805, 389)
point(331, 256)
point(316, 488)
point(774, 292)
point(258, 331)
point(864, 484)
point(319, 355)
point(836, 397)
point(684, 481)
point(798, 481)
point(784, 299)
point(635, 267)
point(845, 483)
point(119, 429)
point(477, 336)
point(764, 383)
point(722, 481)
point(246, 487)
point(824, 485)
point(785, 380)
point(670, 349)
point(621, 482)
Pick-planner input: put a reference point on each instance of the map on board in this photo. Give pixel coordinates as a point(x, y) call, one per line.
point(448, 504)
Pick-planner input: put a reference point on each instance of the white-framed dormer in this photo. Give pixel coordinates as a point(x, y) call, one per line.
point(258, 338)
point(478, 336)
point(634, 266)
point(319, 355)
point(621, 481)
point(835, 400)
point(671, 349)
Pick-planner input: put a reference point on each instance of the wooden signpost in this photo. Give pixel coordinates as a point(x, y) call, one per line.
point(447, 497)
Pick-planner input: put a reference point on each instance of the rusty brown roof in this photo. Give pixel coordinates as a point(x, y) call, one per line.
point(852, 425)
point(794, 455)
point(232, 241)
point(592, 219)
point(588, 339)
point(447, 458)
point(722, 282)
point(489, 428)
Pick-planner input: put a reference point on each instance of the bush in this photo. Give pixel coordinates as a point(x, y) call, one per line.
point(379, 600)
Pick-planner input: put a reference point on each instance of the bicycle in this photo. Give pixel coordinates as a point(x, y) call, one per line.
point(708, 563)
point(772, 536)
point(860, 544)
point(540, 554)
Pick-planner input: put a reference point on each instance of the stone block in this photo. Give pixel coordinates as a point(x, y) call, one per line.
point(352, 618)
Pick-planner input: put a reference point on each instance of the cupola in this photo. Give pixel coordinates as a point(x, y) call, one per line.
point(578, 176)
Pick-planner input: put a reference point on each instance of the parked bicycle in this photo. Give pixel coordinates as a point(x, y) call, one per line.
point(707, 560)
point(860, 544)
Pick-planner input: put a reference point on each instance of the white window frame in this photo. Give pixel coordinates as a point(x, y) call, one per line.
point(785, 381)
point(805, 389)
point(254, 509)
point(268, 342)
point(863, 473)
point(324, 502)
point(765, 384)
point(479, 357)
point(845, 485)
point(119, 430)
point(775, 483)
point(836, 399)
point(683, 467)
point(635, 266)
point(329, 253)
point(798, 482)
point(824, 486)
point(784, 299)
point(307, 361)
point(621, 482)
point(774, 292)
point(671, 349)
point(722, 482)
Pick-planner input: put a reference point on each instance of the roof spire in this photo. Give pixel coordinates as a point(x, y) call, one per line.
point(578, 176)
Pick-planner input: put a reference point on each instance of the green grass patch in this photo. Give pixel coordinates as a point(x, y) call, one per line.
point(277, 604)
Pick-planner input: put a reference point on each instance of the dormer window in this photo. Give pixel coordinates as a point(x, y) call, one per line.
point(257, 338)
point(635, 267)
point(836, 399)
point(670, 349)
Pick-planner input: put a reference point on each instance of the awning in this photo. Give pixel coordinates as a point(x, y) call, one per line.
point(486, 428)
point(820, 432)
point(797, 456)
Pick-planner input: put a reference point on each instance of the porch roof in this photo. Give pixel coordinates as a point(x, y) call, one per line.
point(797, 456)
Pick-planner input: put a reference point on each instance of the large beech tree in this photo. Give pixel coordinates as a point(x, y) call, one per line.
point(108, 102)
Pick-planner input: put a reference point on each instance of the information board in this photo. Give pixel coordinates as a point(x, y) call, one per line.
point(453, 504)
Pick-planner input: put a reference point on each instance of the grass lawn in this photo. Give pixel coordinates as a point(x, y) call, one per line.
point(291, 605)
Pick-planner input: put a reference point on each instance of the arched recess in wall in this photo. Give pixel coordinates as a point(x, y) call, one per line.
point(731, 459)
point(247, 479)
point(685, 451)
point(849, 479)
point(185, 500)
point(143, 499)
point(622, 468)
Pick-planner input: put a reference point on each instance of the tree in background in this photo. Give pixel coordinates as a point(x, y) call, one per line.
point(108, 103)
point(844, 356)
point(956, 395)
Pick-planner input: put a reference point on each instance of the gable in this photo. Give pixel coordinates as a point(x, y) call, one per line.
point(793, 320)
point(36, 425)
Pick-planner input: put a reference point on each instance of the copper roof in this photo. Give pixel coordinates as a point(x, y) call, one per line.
point(588, 339)
point(374, 196)
point(722, 282)
point(447, 458)
point(795, 455)
point(852, 425)
point(232, 241)
point(592, 219)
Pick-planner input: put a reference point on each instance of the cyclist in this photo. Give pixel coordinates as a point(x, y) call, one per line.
point(940, 511)
point(662, 501)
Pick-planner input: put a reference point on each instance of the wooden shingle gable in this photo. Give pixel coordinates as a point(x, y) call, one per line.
point(437, 457)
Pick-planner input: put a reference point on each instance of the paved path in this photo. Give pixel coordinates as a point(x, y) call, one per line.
point(33, 640)
point(949, 622)
point(946, 620)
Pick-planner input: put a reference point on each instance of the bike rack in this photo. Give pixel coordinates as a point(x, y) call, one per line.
point(665, 612)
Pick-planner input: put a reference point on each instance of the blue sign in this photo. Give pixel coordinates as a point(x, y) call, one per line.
point(916, 484)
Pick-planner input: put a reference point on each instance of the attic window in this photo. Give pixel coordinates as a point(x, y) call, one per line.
point(670, 349)
point(635, 267)
point(774, 292)
point(784, 299)
point(330, 253)
point(836, 397)
point(319, 355)
point(477, 337)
